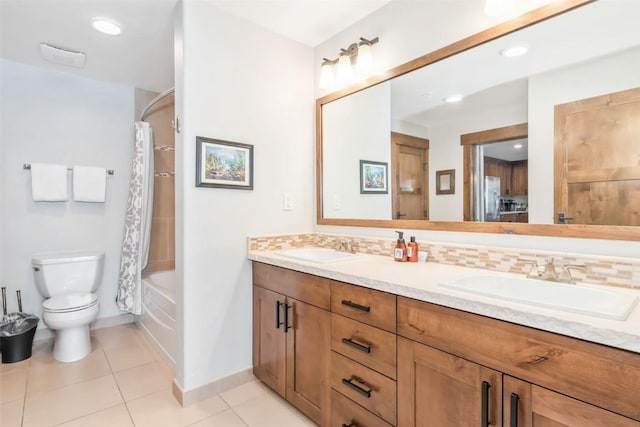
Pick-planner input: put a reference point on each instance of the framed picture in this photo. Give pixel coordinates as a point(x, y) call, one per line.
point(223, 164)
point(373, 177)
point(446, 181)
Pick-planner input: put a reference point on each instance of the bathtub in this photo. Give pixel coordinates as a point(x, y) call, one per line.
point(159, 312)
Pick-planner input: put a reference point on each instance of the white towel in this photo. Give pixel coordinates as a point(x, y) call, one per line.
point(89, 184)
point(49, 182)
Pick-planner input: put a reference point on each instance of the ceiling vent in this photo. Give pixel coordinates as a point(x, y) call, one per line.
point(62, 56)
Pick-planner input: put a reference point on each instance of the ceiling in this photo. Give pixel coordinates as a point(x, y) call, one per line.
point(143, 55)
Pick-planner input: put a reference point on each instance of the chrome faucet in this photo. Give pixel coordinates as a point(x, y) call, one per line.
point(544, 271)
point(345, 246)
point(547, 271)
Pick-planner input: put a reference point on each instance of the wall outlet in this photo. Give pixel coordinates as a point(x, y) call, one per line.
point(287, 202)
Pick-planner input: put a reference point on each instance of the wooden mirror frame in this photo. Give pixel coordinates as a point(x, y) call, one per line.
point(611, 232)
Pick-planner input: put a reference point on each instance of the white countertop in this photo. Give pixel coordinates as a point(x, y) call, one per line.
point(420, 281)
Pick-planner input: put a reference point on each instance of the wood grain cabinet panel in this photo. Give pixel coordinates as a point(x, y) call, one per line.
point(593, 373)
point(438, 389)
point(345, 412)
point(370, 346)
point(292, 344)
point(304, 287)
point(364, 386)
point(527, 405)
point(369, 306)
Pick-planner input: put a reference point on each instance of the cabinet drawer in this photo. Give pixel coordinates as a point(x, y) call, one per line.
point(345, 412)
point(600, 375)
point(364, 386)
point(366, 305)
point(370, 346)
point(301, 286)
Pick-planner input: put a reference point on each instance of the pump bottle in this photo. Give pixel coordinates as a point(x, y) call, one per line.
point(400, 251)
point(412, 250)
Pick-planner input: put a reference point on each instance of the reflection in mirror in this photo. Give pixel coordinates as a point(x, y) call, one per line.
point(588, 52)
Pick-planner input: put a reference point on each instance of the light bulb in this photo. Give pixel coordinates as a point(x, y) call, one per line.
point(327, 78)
point(365, 60)
point(344, 73)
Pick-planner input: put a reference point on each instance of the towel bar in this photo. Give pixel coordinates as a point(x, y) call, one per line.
point(27, 166)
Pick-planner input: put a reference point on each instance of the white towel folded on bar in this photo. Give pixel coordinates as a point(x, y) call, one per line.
point(89, 184)
point(49, 182)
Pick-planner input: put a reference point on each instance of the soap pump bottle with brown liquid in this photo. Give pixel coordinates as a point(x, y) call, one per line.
point(400, 251)
point(412, 250)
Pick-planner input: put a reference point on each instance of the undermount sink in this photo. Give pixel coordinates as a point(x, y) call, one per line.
point(559, 296)
point(322, 255)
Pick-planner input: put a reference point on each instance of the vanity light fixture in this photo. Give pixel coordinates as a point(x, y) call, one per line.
point(106, 26)
point(354, 62)
point(513, 51)
point(453, 99)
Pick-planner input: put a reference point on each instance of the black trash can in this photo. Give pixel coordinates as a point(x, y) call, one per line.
point(16, 336)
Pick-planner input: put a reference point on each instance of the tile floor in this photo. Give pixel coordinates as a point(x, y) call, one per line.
point(123, 383)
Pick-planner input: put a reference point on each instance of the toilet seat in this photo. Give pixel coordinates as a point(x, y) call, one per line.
point(69, 303)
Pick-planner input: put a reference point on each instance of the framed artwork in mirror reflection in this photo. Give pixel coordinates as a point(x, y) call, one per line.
point(446, 181)
point(223, 164)
point(373, 177)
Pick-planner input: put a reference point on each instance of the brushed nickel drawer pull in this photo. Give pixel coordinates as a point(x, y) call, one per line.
point(350, 425)
point(538, 360)
point(363, 391)
point(357, 346)
point(348, 303)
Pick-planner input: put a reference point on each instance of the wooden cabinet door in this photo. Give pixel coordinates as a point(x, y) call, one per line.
point(269, 350)
point(520, 178)
point(527, 405)
point(438, 389)
point(308, 340)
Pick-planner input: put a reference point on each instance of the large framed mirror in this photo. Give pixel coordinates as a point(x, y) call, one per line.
point(543, 144)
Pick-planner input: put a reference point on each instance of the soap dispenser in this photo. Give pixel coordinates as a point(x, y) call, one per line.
point(412, 250)
point(400, 251)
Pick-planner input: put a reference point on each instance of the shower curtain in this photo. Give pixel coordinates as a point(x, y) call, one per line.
point(137, 227)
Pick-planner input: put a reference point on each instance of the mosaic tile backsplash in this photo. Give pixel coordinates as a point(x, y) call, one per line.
point(620, 272)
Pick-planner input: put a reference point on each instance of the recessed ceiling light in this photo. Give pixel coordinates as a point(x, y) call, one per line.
point(512, 52)
point(517, 146)
point(453, 98)
point(106, 26)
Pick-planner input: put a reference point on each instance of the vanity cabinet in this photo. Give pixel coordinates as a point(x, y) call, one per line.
point(291, 337)
point(528, 405)
point(364, 359)
point(456, 353)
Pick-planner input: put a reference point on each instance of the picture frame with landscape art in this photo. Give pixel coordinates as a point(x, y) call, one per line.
point(223, 164)
point(373, 177)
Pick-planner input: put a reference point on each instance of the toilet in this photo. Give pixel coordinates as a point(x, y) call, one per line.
point(68, 281)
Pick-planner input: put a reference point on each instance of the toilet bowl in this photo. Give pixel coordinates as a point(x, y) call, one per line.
point(69, 316)
point(68, 280)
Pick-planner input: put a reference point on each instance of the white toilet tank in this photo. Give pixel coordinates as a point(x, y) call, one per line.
point(59, 273)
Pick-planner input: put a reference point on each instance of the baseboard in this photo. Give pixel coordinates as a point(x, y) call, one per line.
point(187, 397)
point(44, 333)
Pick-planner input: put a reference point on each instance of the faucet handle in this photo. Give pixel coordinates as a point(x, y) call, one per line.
point(534, 272)
point(566, 276)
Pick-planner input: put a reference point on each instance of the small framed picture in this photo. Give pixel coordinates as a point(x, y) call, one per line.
point(223, 164)
point(446, 181)
point(373, 177)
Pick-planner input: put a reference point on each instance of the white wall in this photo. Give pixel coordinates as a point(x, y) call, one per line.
point(611, 74)
point(408, 30)
point(239, 83)
point(349, 138)
point(53, 117)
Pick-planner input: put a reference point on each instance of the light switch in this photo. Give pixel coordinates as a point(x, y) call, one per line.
point(287, 202)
